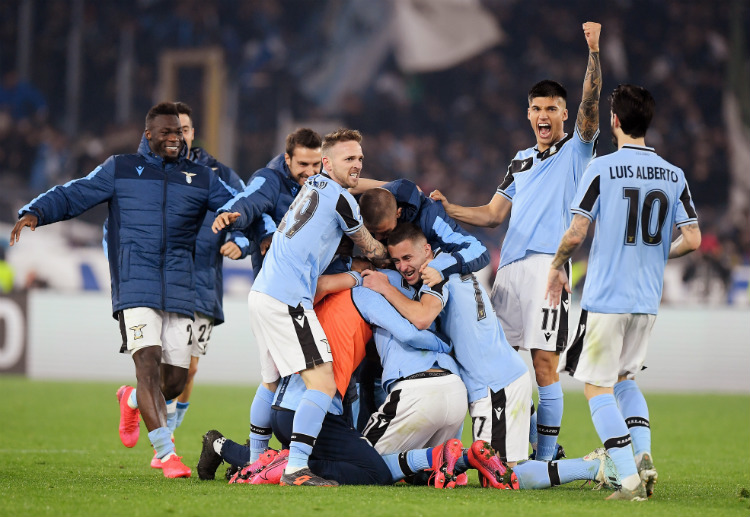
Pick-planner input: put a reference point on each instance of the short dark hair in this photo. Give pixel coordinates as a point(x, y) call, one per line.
point(406, 232)
point(548, 88)
point(634, 106)
point(303, 137)
point(184, 109)
point(340, 135)
point(163, 108)
point(375, 204)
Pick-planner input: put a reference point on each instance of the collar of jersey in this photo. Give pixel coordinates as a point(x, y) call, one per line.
point(639, 147)
point(554, 148)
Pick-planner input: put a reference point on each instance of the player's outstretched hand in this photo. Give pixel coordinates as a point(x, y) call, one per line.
point(230, 250)
point(430, 275)
point(556, 282)
point(592, 30)
point(223, 220)
point(375, 280)
point(29, 220)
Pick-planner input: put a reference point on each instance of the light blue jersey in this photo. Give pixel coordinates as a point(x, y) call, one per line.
point(399, 359)
point(306, 241)
point(637, 197)
point(485, 359)
point(541, 187)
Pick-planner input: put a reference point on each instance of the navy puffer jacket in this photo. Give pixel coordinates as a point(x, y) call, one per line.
point(155, 211)
point(209, 275)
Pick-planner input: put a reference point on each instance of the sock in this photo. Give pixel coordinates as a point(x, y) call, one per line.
point(182, 408)
point(260, 422)
point(161, 440)
point(132, 400)
point(533, 475)
point(308, 419)
point(549, 418)
point(172, 414)
point(532, 429)
point(462, 465)
point(403, 464)
point(635, 411)
point(234, 453)
point(614, 435)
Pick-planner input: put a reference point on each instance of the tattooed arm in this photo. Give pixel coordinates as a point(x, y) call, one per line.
point(371, 248)
point(571, 241)
point(587, 121)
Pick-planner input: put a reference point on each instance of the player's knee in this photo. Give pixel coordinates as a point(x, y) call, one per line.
point(173, 381)
point(320, 378)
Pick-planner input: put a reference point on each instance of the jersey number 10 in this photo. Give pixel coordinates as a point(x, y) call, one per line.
point(638, 214)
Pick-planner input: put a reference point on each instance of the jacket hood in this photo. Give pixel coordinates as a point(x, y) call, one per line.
point(200, 155)
point(409, 200)
point(278, 163)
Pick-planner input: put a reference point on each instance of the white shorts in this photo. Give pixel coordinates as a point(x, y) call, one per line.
point(142, 327)
point(200, 334)
point(608, 346)
point(290, 339)
point(529, 322)
point(418, 413)
point(502, 419)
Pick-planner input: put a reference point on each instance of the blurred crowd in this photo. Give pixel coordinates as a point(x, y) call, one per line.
point(455, 129)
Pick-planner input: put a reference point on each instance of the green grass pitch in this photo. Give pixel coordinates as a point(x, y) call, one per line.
point(61, 455)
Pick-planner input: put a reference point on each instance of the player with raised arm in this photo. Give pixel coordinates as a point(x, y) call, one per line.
point(289, 335)
point(636, 197)
point(536, 192)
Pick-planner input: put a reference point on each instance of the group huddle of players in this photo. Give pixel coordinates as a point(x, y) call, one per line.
point(395, 344)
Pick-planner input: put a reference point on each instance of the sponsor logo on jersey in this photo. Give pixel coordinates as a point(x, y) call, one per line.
point(498, 412)
point(139, 169)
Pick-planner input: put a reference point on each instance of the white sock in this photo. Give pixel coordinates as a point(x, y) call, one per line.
point(166, 458)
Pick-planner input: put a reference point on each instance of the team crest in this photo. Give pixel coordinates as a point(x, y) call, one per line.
point(189, 176)
point(137, 332)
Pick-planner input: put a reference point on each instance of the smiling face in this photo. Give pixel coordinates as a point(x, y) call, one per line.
point(343, 163)
point(164, 135)
point(408, 256)
point(303, 163)
point(547, 115)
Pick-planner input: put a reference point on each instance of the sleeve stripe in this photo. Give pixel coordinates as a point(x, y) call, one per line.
point(583, 213)
point(344, 209)
point(687, 203)
point(592, 194)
